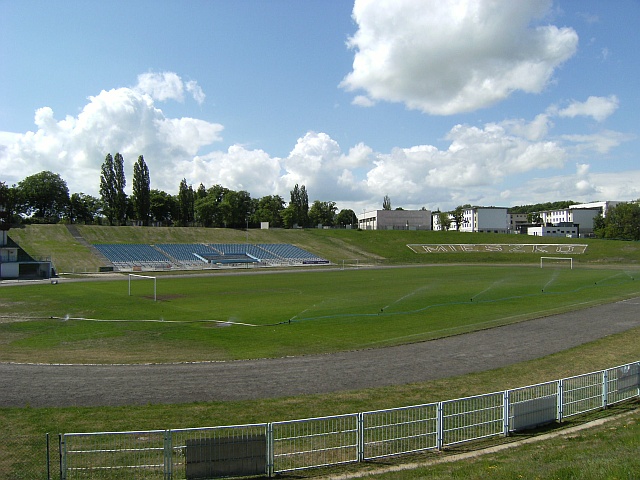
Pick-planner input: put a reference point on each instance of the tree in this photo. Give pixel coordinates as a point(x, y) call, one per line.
point(445, 221)
point(162, 207)
point(82, 208)
point(207, 207)
point(120, 182)
point(186, 201)
point(322, 213)
point(269, 209)
point(141, 191)
point(108, 189)
point(5, 213)
point(346, 217)
point(458, 216)
point(11, 204)
point(622, 222)
point(45, 195)
point(236, 208)
point(201, 192)
point(386, 203)
point(298, 208)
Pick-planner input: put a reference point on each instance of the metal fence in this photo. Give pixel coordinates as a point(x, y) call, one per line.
point(278, 447)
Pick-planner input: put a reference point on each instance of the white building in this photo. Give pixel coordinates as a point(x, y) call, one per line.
point(395, 220)
point(561, 230)
point(485, 220)
point(478, 219)
point(581, 217)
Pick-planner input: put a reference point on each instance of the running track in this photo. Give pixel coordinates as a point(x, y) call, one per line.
point(92, 385)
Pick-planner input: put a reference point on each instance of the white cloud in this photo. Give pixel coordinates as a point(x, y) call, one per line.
point(168, 86)
point(363, 101)
point(485, 165)
point(445, 57)
point(600, 142)
point(597, 107)
point(196, 91)
point(120, 120)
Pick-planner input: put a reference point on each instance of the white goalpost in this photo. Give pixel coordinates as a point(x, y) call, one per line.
point(556, 260)
point(147, 277)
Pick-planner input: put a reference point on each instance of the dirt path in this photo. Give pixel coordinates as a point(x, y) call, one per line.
point(89, 385)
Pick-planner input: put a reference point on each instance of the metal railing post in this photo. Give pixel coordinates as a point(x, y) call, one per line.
point(439, 427)
point(560, 400)
point(270, 452)
point(168, 456)
point(360, 434)
point(63, 456)
point(505, 413)
point(605, 388)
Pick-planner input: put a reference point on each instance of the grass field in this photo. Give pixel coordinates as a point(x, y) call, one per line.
point(224, 317)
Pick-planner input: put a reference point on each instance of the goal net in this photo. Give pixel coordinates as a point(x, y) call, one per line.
point(556, 262)
point(135, 277)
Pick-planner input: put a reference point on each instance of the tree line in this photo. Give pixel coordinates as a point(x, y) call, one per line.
point(44, 198)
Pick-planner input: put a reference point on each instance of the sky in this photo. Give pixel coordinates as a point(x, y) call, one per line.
point(433, 103)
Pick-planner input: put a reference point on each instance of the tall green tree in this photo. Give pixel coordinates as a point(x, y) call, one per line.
point(269, 209)
point(386, 203)
point(45, 196)
point(236, 209)
point(162, 207)
point(445, 221)
point(108, 189)
point(82, 208)
point(322, 213)
point(297, 212)
point(458, 216)
point(207, 207)
point(622, 222)
point(5, 212)
point(120, 183)
point(186, 201)
point(346, 217)
point(141, 191)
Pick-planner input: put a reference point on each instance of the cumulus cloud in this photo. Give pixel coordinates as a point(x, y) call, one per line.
point(599, 108)
point(446, 57)
point(124, 120)
point(475, 164)
point(168, 86)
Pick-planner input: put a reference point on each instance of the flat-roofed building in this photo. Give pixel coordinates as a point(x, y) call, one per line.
point(395, 220)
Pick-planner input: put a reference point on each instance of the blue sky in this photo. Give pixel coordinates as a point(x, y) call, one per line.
point(433, 103)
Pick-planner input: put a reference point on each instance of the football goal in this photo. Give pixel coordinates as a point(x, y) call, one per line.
point(143, 277)
point(556, 262)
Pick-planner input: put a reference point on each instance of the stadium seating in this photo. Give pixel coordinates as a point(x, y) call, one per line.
point(199, 255)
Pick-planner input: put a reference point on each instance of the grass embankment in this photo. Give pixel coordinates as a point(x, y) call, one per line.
point(387, 247)
point(607, 450)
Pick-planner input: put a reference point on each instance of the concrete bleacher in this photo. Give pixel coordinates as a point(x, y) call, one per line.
point(200, 255)
point(131, 255)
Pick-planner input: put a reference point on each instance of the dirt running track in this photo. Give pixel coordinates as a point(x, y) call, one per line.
point(88, 385)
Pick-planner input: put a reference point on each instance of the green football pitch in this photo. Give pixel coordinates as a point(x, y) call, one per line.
point(223, 317)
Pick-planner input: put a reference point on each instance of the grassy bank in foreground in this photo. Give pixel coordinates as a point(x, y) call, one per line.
point(604, 452)
point(25, 449)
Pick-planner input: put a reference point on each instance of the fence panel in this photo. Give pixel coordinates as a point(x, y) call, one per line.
point(623, 382)
point(399, 430)
point(209, 452)
point(532, 406)
point(314, 442)
point(472, 418)
point(113, 455)
point(581, 394)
